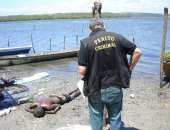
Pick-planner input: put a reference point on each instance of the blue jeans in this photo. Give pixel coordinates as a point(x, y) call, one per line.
point(111, 98)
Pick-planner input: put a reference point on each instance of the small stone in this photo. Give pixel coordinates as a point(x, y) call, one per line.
point(14, 108)
point(132, 96)
point(73, 108)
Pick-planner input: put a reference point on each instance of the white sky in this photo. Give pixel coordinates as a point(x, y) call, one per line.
point(15, 7)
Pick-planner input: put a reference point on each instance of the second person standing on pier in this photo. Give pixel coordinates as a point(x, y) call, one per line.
point(96, 9)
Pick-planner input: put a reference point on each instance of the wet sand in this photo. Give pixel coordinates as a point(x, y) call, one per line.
point(147, 109)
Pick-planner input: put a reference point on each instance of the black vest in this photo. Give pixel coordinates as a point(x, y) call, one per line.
point(107, 64)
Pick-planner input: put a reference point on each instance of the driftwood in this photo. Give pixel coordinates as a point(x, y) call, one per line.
point(5, 83)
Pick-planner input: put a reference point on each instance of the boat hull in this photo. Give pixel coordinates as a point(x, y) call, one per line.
point(166, 68)
point(15, 50)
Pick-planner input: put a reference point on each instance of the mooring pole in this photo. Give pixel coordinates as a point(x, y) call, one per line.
point(32, 44)
point(50, 44)
point(133, 40)
point(77, 40)
point(64, 43)
point(164, 37)
point(8, 42)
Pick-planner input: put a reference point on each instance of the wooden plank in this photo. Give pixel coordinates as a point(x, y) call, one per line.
point(31, 58)
point(164, 37)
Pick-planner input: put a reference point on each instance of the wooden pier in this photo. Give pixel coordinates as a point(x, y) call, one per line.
point(37, 57)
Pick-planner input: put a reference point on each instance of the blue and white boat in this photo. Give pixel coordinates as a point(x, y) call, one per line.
point(15, 50)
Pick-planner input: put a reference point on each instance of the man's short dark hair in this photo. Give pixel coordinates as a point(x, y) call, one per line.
point(96, 24)
point(39, 112)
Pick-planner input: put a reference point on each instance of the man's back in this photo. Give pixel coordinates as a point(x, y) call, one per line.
point(107, 61)
point(103, 63)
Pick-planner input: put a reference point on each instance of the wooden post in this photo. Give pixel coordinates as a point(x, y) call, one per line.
point(8, 42)
point(133, 40)
point(50, 44)
point(64, 47)
point(164, 37)
point(82, 30)
point(77, 40)
point(32, 43)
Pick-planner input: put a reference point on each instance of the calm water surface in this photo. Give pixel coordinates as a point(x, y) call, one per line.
point(147, 32)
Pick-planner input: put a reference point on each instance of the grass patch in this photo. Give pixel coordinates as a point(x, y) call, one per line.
point(167, 56)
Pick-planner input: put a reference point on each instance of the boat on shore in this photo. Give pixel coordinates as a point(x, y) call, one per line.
point(15, 50)
point(166, 64)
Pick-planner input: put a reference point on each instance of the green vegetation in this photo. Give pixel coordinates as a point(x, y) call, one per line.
point(167, 56)
point(69, 16)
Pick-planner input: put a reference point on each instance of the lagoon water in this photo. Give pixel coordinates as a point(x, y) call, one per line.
point(147, 32)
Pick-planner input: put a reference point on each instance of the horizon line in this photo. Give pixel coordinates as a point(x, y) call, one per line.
point(81, 13)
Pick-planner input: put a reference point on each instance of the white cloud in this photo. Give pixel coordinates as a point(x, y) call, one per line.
point(153, 6)
point(55, 6)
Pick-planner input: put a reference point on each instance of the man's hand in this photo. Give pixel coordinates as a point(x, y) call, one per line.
point(82, 70)
point(134, 58)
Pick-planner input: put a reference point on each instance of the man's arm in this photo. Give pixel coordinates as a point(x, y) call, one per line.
point(134, 58)
point(82, 59)
point(56, 108)
point(75, 94)
point(130, 49)
point(31, 108)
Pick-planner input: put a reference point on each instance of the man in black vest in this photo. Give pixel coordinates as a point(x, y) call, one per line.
point(104, 65)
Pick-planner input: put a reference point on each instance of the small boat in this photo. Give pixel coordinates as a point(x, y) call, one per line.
point(166, 68)
point(15, 50)
point(166, 64)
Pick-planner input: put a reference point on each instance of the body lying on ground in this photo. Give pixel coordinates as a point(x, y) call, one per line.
point(50, 105)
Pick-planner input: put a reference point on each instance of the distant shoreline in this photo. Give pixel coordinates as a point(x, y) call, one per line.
point(71, 16)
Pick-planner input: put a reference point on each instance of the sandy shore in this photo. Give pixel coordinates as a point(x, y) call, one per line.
point(147, 110)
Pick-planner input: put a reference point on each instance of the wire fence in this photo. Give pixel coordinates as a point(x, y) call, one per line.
point(49, 35)
point(44, 44)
